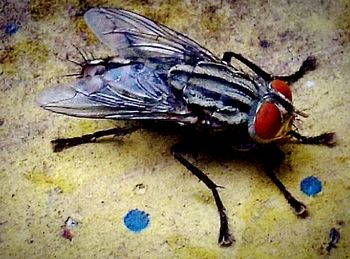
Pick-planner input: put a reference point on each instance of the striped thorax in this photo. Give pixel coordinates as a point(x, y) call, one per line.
point(230, 97)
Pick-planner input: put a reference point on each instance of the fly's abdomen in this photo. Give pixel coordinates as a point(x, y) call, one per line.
point(226, 94)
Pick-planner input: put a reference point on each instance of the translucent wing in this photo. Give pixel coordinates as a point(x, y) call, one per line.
point(133, 36)
point(134, 91)
point(138, 89)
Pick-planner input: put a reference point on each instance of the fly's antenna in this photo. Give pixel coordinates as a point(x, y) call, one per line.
point(302, 113)
point(297, 122)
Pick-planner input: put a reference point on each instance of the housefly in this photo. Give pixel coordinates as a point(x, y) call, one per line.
point(160, 75)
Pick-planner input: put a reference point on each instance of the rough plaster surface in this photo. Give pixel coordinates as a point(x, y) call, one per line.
point(97, 184)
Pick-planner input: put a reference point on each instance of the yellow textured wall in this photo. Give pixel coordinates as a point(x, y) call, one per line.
point(96, 184)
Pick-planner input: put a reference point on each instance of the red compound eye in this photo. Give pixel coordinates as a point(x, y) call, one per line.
point(282, 87)
point(267, 121)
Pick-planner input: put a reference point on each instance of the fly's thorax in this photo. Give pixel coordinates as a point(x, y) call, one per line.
point(272, 116)
point(220, 92)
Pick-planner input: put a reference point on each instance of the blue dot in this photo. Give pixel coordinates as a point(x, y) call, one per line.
point(11, 28)
point(311, 186)
point(136, 220)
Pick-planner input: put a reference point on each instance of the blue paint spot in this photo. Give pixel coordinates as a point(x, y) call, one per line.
point(11, 28)
point(311, 186)
point(136, 220)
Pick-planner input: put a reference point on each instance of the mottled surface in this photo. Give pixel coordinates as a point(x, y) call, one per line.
point(97, 184)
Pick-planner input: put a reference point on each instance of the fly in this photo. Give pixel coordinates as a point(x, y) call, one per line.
point(160, 75)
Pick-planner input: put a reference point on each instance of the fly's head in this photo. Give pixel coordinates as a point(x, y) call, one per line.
point(272, 118)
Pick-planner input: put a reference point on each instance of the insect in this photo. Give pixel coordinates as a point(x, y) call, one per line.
point(159, 75)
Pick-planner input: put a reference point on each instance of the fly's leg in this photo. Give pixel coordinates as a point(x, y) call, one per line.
point(62, 143)
point(308, 65)
point(298, 207)
point(273, 158)
point(225, 238)
point(229, 55)
point(328, 139)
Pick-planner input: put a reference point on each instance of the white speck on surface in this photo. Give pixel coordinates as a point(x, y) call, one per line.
point(140, 189)
point(71, 223)
point(310, 83)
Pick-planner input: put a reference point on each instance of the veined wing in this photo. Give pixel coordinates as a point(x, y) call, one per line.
point(134, 91)
point(134, 36)
point(137, 90)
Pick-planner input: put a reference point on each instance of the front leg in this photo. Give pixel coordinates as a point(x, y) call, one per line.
point(328, 139)
point(308, 65)
point(227, 57)
point(225, 238)
point(272, 157)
